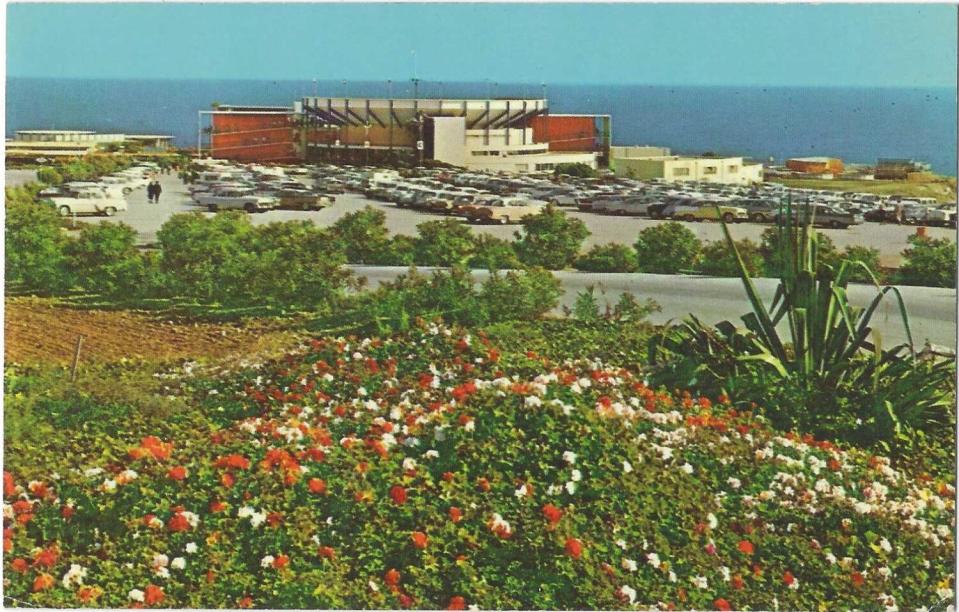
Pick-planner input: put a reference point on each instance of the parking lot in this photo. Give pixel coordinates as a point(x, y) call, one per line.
point(146, 218)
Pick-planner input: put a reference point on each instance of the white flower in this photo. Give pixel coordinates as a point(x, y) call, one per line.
point(470, 425)
point(267, 561)
point(831, 558)
point(533, 402)
point(569, 457)
point(554, 489)
point(74, 576)
point(409, 464)
point(700, 582)
point(160, 560)
point(178, 563)
point(257, 519)
point(431, 454)
point(109, 485)
point(191, 548)
point(726, 573)
point(373, 586)
point(136, 595)
point(686, 468)
point(576, 476)
point(521, 492)
point(628, 593)
point(653, 560)
point(672, 576)
point(621, 543)
point(794, 585)
point(162, 572)
point(570, 487)
point(712, 521)
point(627, 467)
point(735, 483)
point(245, 512)
point(885, 545)
point(629, 565)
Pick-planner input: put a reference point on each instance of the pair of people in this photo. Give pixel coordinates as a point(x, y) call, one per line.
point(153, 191)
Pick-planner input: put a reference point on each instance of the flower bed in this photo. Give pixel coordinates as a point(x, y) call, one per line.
point(427, 471)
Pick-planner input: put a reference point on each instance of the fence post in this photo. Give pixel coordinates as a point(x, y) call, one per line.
point(76, 359)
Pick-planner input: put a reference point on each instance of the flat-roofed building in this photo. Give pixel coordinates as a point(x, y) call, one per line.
point(676, 168)
point(815, 165)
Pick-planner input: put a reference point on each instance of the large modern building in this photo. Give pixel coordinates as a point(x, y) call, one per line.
point(511, 135)
point(898, 169)
point(646, 163)
point(816, 165)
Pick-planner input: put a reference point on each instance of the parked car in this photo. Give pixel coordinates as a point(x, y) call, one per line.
point(944, 215)
point(301, 199)
point(88, 202)
point(709, 211)
point(235, 199)
point(759, 210)
point(505, 210)
point(627, 205)
point(825, 215)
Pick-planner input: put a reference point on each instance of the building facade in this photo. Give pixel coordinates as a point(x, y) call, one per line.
point(510, 135)
point(74, 143)
point(815, 165)
point(674, 168)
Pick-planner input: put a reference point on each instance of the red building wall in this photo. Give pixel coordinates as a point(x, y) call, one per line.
point(253, 137)
point(569, 133)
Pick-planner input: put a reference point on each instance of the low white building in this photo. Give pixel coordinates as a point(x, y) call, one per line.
point(675, 168)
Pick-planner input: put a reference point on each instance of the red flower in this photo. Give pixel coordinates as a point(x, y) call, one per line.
point(552, 513)
point(245, 602)
point(788, 578)
point(448, 476)
point(87, 593)
point(9, 485)
point(722, 604)
point(398, 494)
point(227, 480)
point(392, 577)
point(237, 462)
point(274, 518)
point(178, 522)
point(405, 600)
point(327, 552)
point(857, 579)
point(280, 562)
point(419, 539)
point(483, 485)
point(217, 506)
point(574, 548)
point(737, 582)
point(152, 595)
point(456, 603)
point(20, 565)
point(152, 446)
point(317, 485)
point(456, 515)
point(177, 473)
point(46, 557)
point(42, 582)
point(67, 511)
point(746, 547)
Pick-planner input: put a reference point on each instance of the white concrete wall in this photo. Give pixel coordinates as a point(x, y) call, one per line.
point(530, 163)
point(449, 140)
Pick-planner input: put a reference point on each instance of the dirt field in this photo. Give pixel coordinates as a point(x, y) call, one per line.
point(41, 331)
point(943, 189)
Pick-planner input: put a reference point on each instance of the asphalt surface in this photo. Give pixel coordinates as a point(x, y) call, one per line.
point(147, 218)
point(931, 310)
point(15, 178)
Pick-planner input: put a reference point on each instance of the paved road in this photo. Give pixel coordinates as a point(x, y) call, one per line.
point(15, 178)
point(146, 218)
point(931, 310)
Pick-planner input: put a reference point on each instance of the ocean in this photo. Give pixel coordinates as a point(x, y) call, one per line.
point(857, 125)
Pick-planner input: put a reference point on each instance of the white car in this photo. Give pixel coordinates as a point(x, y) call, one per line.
point(88, 202)
point(235, 199)
point(506, 210)
point(945, 215)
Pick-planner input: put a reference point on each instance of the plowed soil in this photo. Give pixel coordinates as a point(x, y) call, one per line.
point(43, 331)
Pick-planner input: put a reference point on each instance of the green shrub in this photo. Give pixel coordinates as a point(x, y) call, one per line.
point(104, 258)
point(930, 262)
point(586, 306)
point(35, 246)
point(362, 235)
point(522, 295)
point(772, 245)
point(667, 248)
point(492, 253)
point(718, 260)
point(49, 176)
point(612, 257)
point(400, 250)
point(868, 257)
point(443, 243)
point(550, 240)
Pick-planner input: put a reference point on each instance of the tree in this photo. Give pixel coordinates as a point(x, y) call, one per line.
point(399, 251)
point(718, 260)
point(362, 235)
point(492, 253)
point(550, 240)
point(443, 243)
point(104, 258)
point(35, 247)
point(928, 261)
point(613, 257)
point(49, 176)
point(579, 170)
point(520, 295)
point(667, 248)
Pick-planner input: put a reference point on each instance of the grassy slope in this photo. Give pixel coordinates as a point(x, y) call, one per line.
point(943, 190)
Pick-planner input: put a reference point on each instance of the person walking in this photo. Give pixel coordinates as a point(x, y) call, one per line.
point(150, 192)
point(157, 190)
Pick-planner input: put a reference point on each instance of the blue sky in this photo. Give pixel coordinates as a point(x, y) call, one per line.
point(828, 45)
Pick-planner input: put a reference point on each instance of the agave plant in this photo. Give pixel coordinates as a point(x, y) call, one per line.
point(831, 356)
